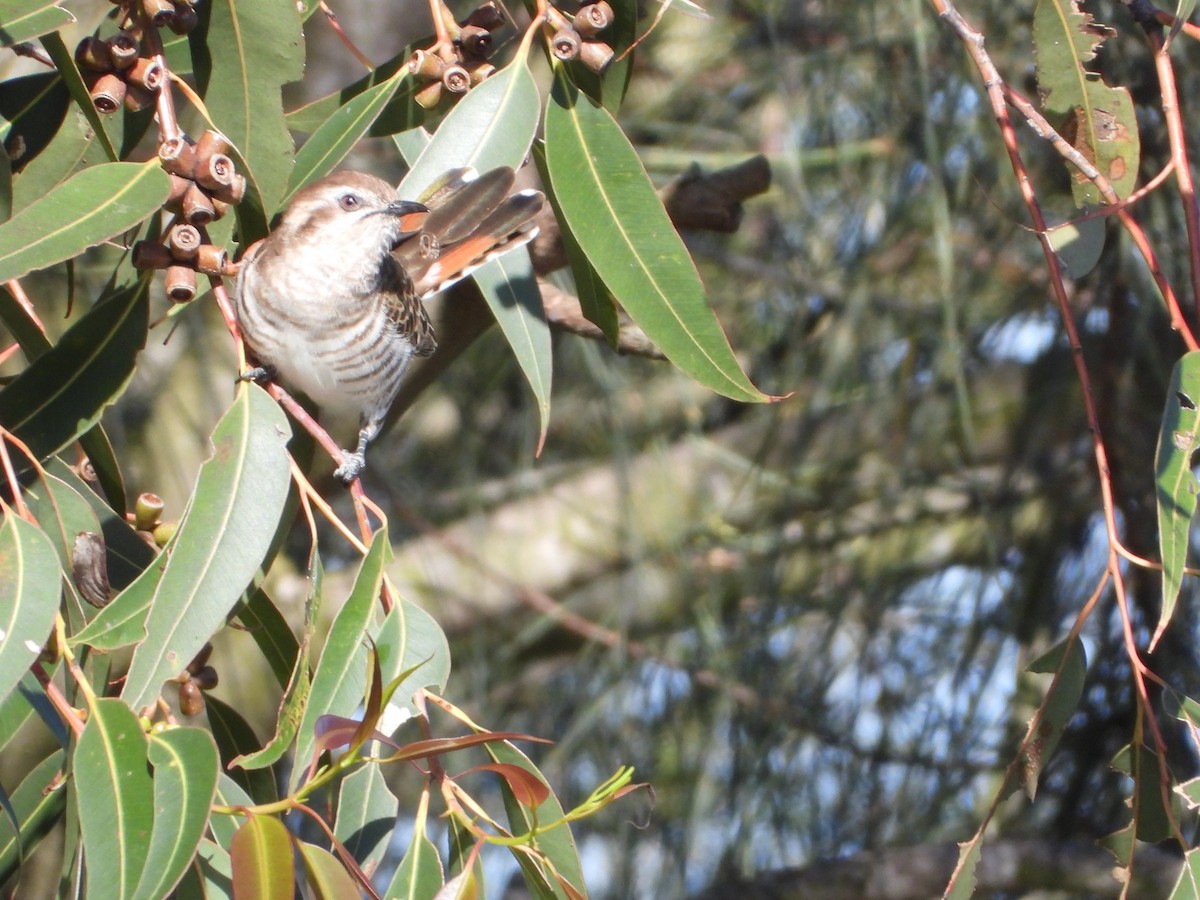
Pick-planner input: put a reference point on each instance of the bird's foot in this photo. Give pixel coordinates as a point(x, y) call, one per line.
point(351, 467)
point(258, 374)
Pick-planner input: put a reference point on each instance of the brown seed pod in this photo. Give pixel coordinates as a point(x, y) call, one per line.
point(214, 171)
point(476, 41)
point(191, 701)
point(159, 12)
point(201, 659)
point(89, 567)
point(593, 18)
point(211, 259)
point(147, 73)
point(234, 191)
point(123, 49)
point(480, 71)
point(212, 142)
point(93, 55)
point(108, 92)
point(178, 157)
point(198, 209)
point(566, 43)
point(184, 241)
point(137, 97)
point(596, 55)
point(220, 207)
point(146, 510)
point(429, 96)
point(206, 679)
point(180, 285)
point(151, 255)
point(486, 16)
point(456, 79)
point(179, 186)
point(426, 65)
point(185, 19)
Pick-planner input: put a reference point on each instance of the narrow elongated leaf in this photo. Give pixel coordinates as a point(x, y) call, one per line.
point(338, 134)
point(185, 779)
point(235, 738)
point(1101, 118)
point(68, 70)
point(340, 679)
point(243, 54)
point(962, 881)
point(309, 117)
point(411, 644)
point(420, 872)
point(1175, 484)
point(510, 289)
point(72, 146)
point(1188, 886)
point(21, 20)
point(1068, 663)
point(220, 543)
point(261, 853)
point(116, 809)
point(30, 583)
point(366, 815)
point(271, 631)
point(37, 807)
point(611, 209)
point(492, 126)
point(98, 203)
point(31, 110)
point(65, 391)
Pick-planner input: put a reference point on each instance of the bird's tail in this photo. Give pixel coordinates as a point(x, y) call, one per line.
point(472, 219)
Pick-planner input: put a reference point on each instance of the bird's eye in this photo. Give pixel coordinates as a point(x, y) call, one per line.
point(348, 201)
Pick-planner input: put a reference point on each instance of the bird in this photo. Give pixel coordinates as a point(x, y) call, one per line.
point(331, 302)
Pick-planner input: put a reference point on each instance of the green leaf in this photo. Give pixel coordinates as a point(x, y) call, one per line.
point(185, 779)
point(1175, 484)
point(96, 204)
point(611, 209)
point(21, 20)
point(1188, 886)
point(1100, 118)
point(557, 843)
point(235, 738)
point(327, 877)
point(116, 799)
point(65, 391)
point(265, 623)
point(411, 643)
point(73, 146)
point(229, 793)
point(30, 583)
point(64, 62)
point(338, 134)
point(1151, 819)
point(38, 803)
point(1068, 663)
point(1078, 244)
point(420, 872)
point(340, 679)
point(220, 543)
point(261, 853)
point(1183, 12)
point(243, 53)
point(309, 117)
point(31, 110)
point(510, 289)
point(492, 126)
point(366, 815)
point(962, 881)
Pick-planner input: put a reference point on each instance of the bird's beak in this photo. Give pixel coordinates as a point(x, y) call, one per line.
point(410, 213)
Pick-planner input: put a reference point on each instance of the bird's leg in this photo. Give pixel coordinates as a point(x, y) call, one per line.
point(258, 374)
point(353, 463)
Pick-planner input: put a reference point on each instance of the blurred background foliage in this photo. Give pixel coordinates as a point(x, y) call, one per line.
point(816, 614)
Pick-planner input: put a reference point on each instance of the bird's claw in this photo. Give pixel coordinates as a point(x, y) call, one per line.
point(351, 467)
point(258, 374)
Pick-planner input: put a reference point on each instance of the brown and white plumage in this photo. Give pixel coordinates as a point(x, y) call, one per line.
point(331, 301)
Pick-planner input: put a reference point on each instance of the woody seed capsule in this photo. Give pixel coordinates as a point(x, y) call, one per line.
point(178, 157)
point(93, 54)
point(137, 97)
point(159, 12)
point(214, 170)
point(146, 510)
point(456, 79)
point(151, 255)
point(566, 43)
point(211, 259)
point(147, 73)
point(596, 55)
point(184, 21)
point(184, 242)
point(212, 142)
point(180, 285)
point(198, 210)
point(593, 18)
point(107, 92)
point(123, 48)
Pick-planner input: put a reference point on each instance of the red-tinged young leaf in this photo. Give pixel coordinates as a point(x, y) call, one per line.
point(261, 853)
point(327, 877)
point(220, 543)
point(437, 746)
point(614, 214)
point(1175, 484)
point(116, 811)
point(98, 203)
point(526, 787)
point(185, 779)
point(338, 731)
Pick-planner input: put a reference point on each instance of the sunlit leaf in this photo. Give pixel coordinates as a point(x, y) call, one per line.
point(1188, 886)
point(30, 583)
point(261, 853)
point(220, 542)
point(613, 212)
point(962, 882)
point(1067, 661)
point(21, 20)
point(116, 810)
point(327, 877)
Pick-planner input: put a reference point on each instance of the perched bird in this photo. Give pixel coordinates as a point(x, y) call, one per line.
point(331, 301)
